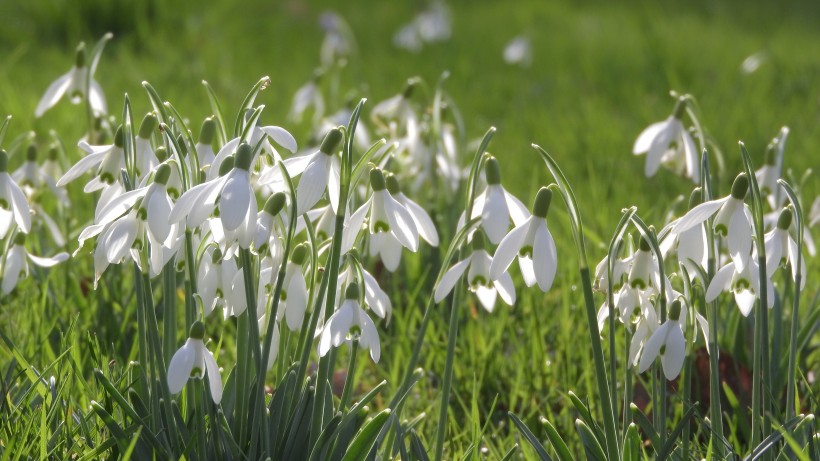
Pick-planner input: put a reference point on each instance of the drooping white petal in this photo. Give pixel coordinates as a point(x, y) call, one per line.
point(369, 335)
point(659, 145)
point(486, 297)
point(449, 279)
point(692, 157)
point(518, 211)
point(119, 238)
point(297, 300)
point(699, 214)
point(158, 210)
point(182, 363)
point(739, 238)
point(281, 136)
point(646, 137)
point(793, 257)
point(119, 205)
point(388, 247)
point(235, 200)
point(508, 249)
point(84, 164)
point(495, 216)
point(54, 93)
point(15, 264)
point(214, 378)
point(720, 282)
point(426, 228)
point(190, 200)
point(96, 98)
point(653, 346)
point(354, 226)
point(745, 300)
point(313, 183)
point(334, 183)
point(342, 320)
point(48, 262)
point(544, 256)
point(674, 353)
point(401, 222)
point(505, 287)
point(19, 204)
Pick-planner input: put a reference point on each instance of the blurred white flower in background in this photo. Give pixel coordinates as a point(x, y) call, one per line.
point(518, 52)
point(431, 25)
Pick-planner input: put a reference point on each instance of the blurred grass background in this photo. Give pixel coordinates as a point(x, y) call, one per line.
point(601, 72)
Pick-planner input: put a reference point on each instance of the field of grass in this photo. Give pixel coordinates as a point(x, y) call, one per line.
point(601, 72)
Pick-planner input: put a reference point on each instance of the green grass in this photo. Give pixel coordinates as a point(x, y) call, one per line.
point(601, 72)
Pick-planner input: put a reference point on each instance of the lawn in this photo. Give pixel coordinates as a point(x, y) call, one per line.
point(600, 73)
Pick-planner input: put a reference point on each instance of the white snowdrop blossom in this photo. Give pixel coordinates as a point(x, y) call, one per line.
point(308, 96)
point(33, 179)
point(601, 282)
point(294, 295)
point(194, 360)
point(215, 281)
point(14, 207)
point(375, 298)
point(691, 245)
point(338, 41)
point(732, 220)
point(111, 161)
point(477, 266)
point(391, 226)
point(743, 283)
point(771, 170)
point(232, 193)
point(350, 323)
point(518, 51)
point(668, 342)
point(782, 249)
point(496, 206)
point(319, 171)
point(15, 263)
point(669, 142)
point(533, 244)
point(644, 272)
point(270, 225)
point(431, 25)
point(74, 84)
point(424, 224)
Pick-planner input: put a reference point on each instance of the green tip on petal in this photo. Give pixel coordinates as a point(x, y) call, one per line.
point(411, 86)
point(119, 137)
point(493, 171)
point(31, 153)
point(740, 186)
point(79, 59)
point(275, 203)
point(226, 166)
point(206, 133)
point(148, 125)
point(331, 142)
point(377, 180)
point(479, 240)
point(197, 330)
point(244, 156)
point(644, 245)
point(4, 161)
point(162, 153)
point(392, 184)
point(674, 310)
point(785, 219)
point(299, 255)
point(680, 108)
point(352, 291)
point(541, 206)
point(696, 198)
point(20, 239)
point(163, 173)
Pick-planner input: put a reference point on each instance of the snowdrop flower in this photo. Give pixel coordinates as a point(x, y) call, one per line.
point(518, 51)
point(533, 244)
point(691, 245)
point(350, 322)
point(647, 323)
point(15, 263)
point(425, 226)
point(495, 205)
point(320, 171)
point(307, 96)
point(111, 161)
point(601, 282)
point(232, 193)
point(204, 146)
point(294, 296)
point(375, 298)
point(768, 174)
point(267, 229)
point(31, 178)
point(391, 225)
point(732, 221)
point(644, 272)
point(478, 277)
point(74, 84)
point(669, 142)
point(194, 360)
point(744, 283)
point(338, 41)
point(13, 204)
point(782, 249)
point(668, 342)
point(215, 280)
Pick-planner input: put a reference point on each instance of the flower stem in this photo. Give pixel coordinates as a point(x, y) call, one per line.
point(452, 336)
point(347, 393)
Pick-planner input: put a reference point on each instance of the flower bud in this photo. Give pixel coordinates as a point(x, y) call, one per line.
point(148, 125)
point(163, 173)
point(785, 219)
point(79, 57)
point(331, 142)
point(392, 184)
point(674, 310)
point(119, 137)
point(740, 186)
point(206, 133)
point(31, 153)
point(377, 180)
point(275, 204)
point(492, 171)
point(244, 156)
point(352, 291)
point(541, 206)
point(680, 108)
point(197, 330)
point(299, 255)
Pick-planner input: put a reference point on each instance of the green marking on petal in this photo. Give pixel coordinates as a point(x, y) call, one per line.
point(381, 226)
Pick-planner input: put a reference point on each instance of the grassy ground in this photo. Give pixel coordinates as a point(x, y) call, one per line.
point(601, 72)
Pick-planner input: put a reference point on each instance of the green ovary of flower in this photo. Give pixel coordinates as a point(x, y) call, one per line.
point(721, 230)
point(381, 226)
point(107, 178)
point(525, 251)
point(638, 283)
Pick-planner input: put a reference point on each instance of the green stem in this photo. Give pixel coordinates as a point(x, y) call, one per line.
point(792, 374)
point(255, 372)
point(448, 376)
point(347, 393)
point(169, 316)
point(190, 261)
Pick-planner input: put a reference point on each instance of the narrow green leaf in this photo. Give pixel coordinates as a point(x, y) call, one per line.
point(561, 449)
point(366, 437)
point(646, 425)
point(216, 108)
point(632, 445)
point(592, 447)
point(531, 438)
point(247, 103)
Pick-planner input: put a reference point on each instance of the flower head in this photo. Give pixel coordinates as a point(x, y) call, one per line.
point(13, 204)
point(74, 83)
point(350, 323)
point(194, 360)
point(668, 342)
point(669, 142)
